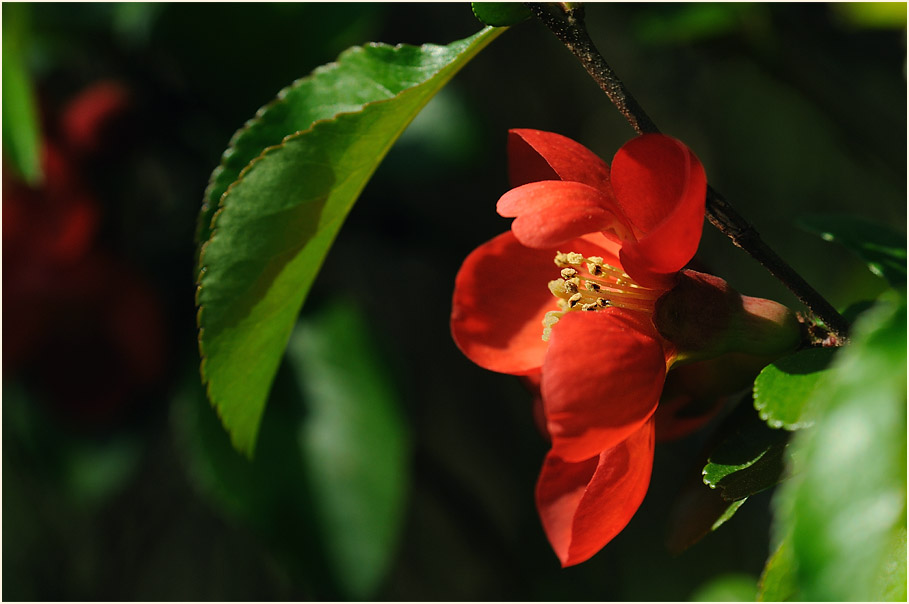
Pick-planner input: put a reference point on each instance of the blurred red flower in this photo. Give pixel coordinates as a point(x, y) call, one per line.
point(78, 321)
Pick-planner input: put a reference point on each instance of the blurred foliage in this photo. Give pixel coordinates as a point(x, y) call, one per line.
point(795, 109)
point(20, 120)
point(845, 507)
point(732, 587)
point(882, 247)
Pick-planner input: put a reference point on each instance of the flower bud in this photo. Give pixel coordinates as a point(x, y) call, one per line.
point(703, 318)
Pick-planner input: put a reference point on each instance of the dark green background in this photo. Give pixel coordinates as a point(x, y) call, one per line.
point(793, 109)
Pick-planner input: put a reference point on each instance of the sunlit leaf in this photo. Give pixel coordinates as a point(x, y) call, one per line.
point(749, 459)
point(500, 14)
point(277, 221)
point(783, 388)
point(21, 134)
point(361, 75)
point(846, 504)
point(354, 445)
point(880, 246)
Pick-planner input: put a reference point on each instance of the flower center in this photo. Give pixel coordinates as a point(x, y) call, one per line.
point(589, 284)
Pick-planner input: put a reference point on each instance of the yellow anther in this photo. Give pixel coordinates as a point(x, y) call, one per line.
point(551, 318)
point(599, 286)
point(557, 287)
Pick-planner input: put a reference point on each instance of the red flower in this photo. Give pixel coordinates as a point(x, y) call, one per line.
point(619, 237)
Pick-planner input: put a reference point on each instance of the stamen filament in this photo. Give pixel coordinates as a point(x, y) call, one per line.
point(598, 287)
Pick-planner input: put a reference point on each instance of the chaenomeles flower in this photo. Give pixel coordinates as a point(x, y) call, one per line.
point(586, 295)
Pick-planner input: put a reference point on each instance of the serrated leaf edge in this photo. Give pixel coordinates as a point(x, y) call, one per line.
point(738, 468)
point(274, 148)
point(280, 99)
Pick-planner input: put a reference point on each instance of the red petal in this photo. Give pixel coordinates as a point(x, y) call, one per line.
point(602, 378)
point(534, 155)
point(661, 186)
point(501, 296)
point(551, 212)
point(584, 505)
point(499, 301)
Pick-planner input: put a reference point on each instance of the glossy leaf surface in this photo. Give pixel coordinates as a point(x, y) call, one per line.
point(749, 460)
point(846, 504)
point(783, 388)
point(277, 221)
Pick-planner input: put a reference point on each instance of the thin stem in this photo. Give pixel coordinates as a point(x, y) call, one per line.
point(566, 21)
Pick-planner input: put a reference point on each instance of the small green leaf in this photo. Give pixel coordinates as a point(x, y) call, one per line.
point(21, 134)
point(783, 388)
point(777, 582)
point(880, 246)
point(500, 14)
point(277, 221)
point(728, 514)
point(845, 506)
point(354, 444)
point(749, 460)
point(697, 512)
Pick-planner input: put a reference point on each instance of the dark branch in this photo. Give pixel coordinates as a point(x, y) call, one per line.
point(566, 21)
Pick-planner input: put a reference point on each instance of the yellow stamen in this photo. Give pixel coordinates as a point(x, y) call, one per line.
point(599, 286)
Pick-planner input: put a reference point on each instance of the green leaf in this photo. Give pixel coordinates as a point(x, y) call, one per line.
point(728, 587)
point(330, 478)
point(21, 133)
point(880, 246)
point(696, 512)
point(749, 459)
point(277, 221)
point(846, 504)
point(361, 75)
point(777, 583)
point(355, 446)
point(783, 388)
point(728, 514)
point(500, 14)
